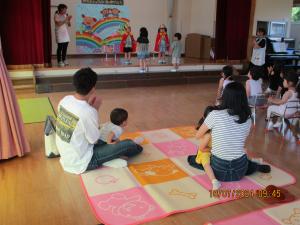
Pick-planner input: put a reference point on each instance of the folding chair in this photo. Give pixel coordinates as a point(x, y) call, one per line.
point(260, 101)
point(290, 116)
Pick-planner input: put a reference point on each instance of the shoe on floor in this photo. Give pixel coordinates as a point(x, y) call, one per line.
point(173, 70)
point(264, 168)
point(116, 163)
point(61, 64)
point(257, 160)
point(142, 71)
point(66, 63)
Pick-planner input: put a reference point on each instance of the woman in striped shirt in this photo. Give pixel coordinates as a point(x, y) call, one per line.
point(230, 126)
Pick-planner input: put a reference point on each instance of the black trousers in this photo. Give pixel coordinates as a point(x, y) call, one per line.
point(61, 51)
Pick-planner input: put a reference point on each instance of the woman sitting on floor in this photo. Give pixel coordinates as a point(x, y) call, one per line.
point(230, 126)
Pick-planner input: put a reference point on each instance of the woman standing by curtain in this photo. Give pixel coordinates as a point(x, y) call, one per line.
point(62, 21)
point(12, 137)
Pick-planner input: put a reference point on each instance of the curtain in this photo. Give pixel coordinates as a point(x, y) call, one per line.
point(22, 31)
point(232, 28)
point(46, 13)
point(12, 138)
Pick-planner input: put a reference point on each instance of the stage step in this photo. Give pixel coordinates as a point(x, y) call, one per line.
point(26, 83)
point(64, 83)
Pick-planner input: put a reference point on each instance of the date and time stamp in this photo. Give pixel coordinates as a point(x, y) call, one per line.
point(244, 193)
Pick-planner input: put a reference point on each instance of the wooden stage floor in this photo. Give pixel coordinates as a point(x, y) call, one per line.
point(35, 190)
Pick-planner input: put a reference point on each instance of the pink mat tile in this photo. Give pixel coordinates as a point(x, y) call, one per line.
point(257, 218)
point(177, 148)
point(126, 207)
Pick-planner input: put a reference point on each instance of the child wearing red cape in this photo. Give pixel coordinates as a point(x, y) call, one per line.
point(127, 45)
point(162, 44)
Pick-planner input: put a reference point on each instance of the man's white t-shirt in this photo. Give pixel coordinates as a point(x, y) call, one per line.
point(61, 32)
point(77, 130)
point(110, 127)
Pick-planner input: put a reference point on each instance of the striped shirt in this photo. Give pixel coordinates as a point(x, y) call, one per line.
point(228, 136)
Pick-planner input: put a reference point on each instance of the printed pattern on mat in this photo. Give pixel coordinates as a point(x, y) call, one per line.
point(126, 207)
point(156, 172)
point(108, 180)
point(180, 195)
point(277, 177)
point(288, 214)
point(159, 182)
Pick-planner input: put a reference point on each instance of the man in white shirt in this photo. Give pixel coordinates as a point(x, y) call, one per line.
point(77, 129)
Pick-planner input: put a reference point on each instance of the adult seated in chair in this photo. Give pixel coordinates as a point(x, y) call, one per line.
point(77, 129)
point(230, 126)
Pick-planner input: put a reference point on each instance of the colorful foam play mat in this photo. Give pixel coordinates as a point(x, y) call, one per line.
point(35, 110)
point(159, 182)
point(286, 214)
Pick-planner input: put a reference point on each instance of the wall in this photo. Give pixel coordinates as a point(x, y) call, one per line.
point(148, 13)
point(295, 33)
point(203, 17)
point(273, 10)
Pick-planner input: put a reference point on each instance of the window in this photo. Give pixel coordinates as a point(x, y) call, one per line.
point(296, 14)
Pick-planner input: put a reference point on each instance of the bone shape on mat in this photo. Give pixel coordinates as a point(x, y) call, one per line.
point(175, 191)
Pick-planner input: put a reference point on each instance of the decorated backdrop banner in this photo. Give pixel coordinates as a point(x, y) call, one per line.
point(99, 28)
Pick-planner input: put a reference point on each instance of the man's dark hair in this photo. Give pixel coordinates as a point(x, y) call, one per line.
point(84, 80)
point(256, 72)
point(178, 36)
point(228, 71)
point(118, 116)
point(262, 30)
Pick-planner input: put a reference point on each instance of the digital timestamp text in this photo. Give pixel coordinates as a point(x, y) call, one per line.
point(244, 193)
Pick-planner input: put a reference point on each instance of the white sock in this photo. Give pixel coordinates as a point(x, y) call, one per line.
point(138, 140)
point(215, 184)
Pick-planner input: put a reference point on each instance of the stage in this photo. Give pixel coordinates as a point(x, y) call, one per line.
point(113, 73)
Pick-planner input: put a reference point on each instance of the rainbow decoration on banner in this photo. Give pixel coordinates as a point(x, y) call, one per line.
point(99, 35)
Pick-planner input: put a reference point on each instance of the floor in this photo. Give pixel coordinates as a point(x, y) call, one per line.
point(35, 190)
point(110, 61)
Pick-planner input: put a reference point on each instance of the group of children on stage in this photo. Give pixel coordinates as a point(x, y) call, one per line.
point(141, 46)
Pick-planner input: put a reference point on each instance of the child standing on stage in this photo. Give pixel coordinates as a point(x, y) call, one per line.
point(143, 50)
point(128, 44)
point(176, 51)
point(162, 44)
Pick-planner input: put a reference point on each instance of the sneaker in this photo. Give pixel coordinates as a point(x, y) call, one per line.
point(116, 163)
point(138, 140)
point(173, 70)
point(142, 71)
point(129, 62)
point(61, 64)
point(264, 168)
point(257, 160)
point(215, 184)
point(160, 62)
point(66, 63)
